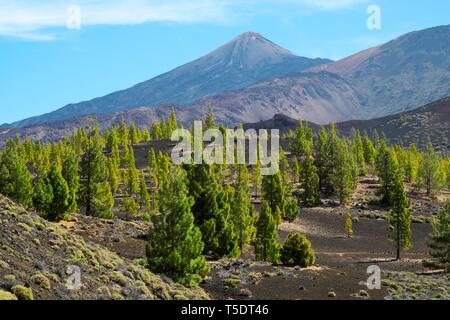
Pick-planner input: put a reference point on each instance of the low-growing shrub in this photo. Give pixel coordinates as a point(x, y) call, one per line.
point(297, 251)
point(4, 295)
point(22, 293)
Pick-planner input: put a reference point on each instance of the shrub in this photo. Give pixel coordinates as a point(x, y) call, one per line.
point(41, 281)
point(4, 295)
point(22, 293)
point(297, 251)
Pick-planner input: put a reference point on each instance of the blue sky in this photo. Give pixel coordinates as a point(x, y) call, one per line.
point(44, 65)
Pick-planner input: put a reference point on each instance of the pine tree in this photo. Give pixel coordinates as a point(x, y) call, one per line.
point(144, 197)
point(321, 156)
point(429, 175)
point(60, 200)
point(155, 194)
point(358, 151)
point(257, 179)
point(175, 244)
point(369, 151)
point(439, 242)
point(266, 243)
point(113, 175)
point(165, 128)
point(15, 179)
point(386, 168)
point(303, 137)
point(212, 212)
point(133, 135)
point(172, 122)
point(152, 163)
point(448, 173)
point(349, 224)
point(291, 209)
point(130, 207)
point(376, 138)
point(133, 177)
point(243, 209)
point(399, 218)
point(156, 132)
point(146, 135)
point(209, 122)
point(295, 172)
point(345, 173)
point(42, 195)
point(333, 152)
point(95, 192)
point(70, 174)
point(273, 191)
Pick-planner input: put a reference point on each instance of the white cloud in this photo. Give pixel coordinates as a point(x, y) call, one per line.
point(330, 4)
point(28, 19)
point(33, 20)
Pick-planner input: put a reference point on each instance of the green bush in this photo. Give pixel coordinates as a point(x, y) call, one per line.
point(297, 251)
point(42, 281)
point(7, 295)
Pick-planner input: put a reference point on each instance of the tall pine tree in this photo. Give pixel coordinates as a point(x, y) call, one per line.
point(175, 244)
point(95, 192)
point(266, 243)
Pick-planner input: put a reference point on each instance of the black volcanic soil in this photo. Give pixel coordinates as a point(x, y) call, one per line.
point(341, 263)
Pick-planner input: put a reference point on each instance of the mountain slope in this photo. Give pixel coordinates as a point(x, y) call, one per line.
point(402, 74)
point(317, 97)
point(244, 61)
point(417, 126)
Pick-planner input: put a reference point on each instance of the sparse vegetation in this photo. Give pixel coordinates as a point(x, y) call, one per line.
point(203, 211)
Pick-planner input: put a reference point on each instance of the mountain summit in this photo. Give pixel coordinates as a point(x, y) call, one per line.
point(244, 61)
point(249, 50)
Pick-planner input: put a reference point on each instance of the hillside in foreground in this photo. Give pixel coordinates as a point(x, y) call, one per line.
point(35, 256)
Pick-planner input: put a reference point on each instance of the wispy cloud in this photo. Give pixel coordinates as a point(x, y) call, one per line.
point(330, 4)
point(32, 20)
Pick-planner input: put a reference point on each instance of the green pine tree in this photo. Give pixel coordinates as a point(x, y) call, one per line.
point(42, 195)
point(386, 168)
point(439, 242)
point(266, 243)
point(70, 168)
point(345, 173)
point(349, 224)
point(15, 179)
point(61, 195)
point(95, 194)
point(399, 218)
point(243, 210)
point(369, 151)
point(273, 191)
point(144, 197)
point(309, 180)
point(133, 174)
point(429, 175)
point(212, 212)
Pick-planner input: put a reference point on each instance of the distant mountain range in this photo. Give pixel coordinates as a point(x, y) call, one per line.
point(430, 122)
point(251, 79)
point(402, 74)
